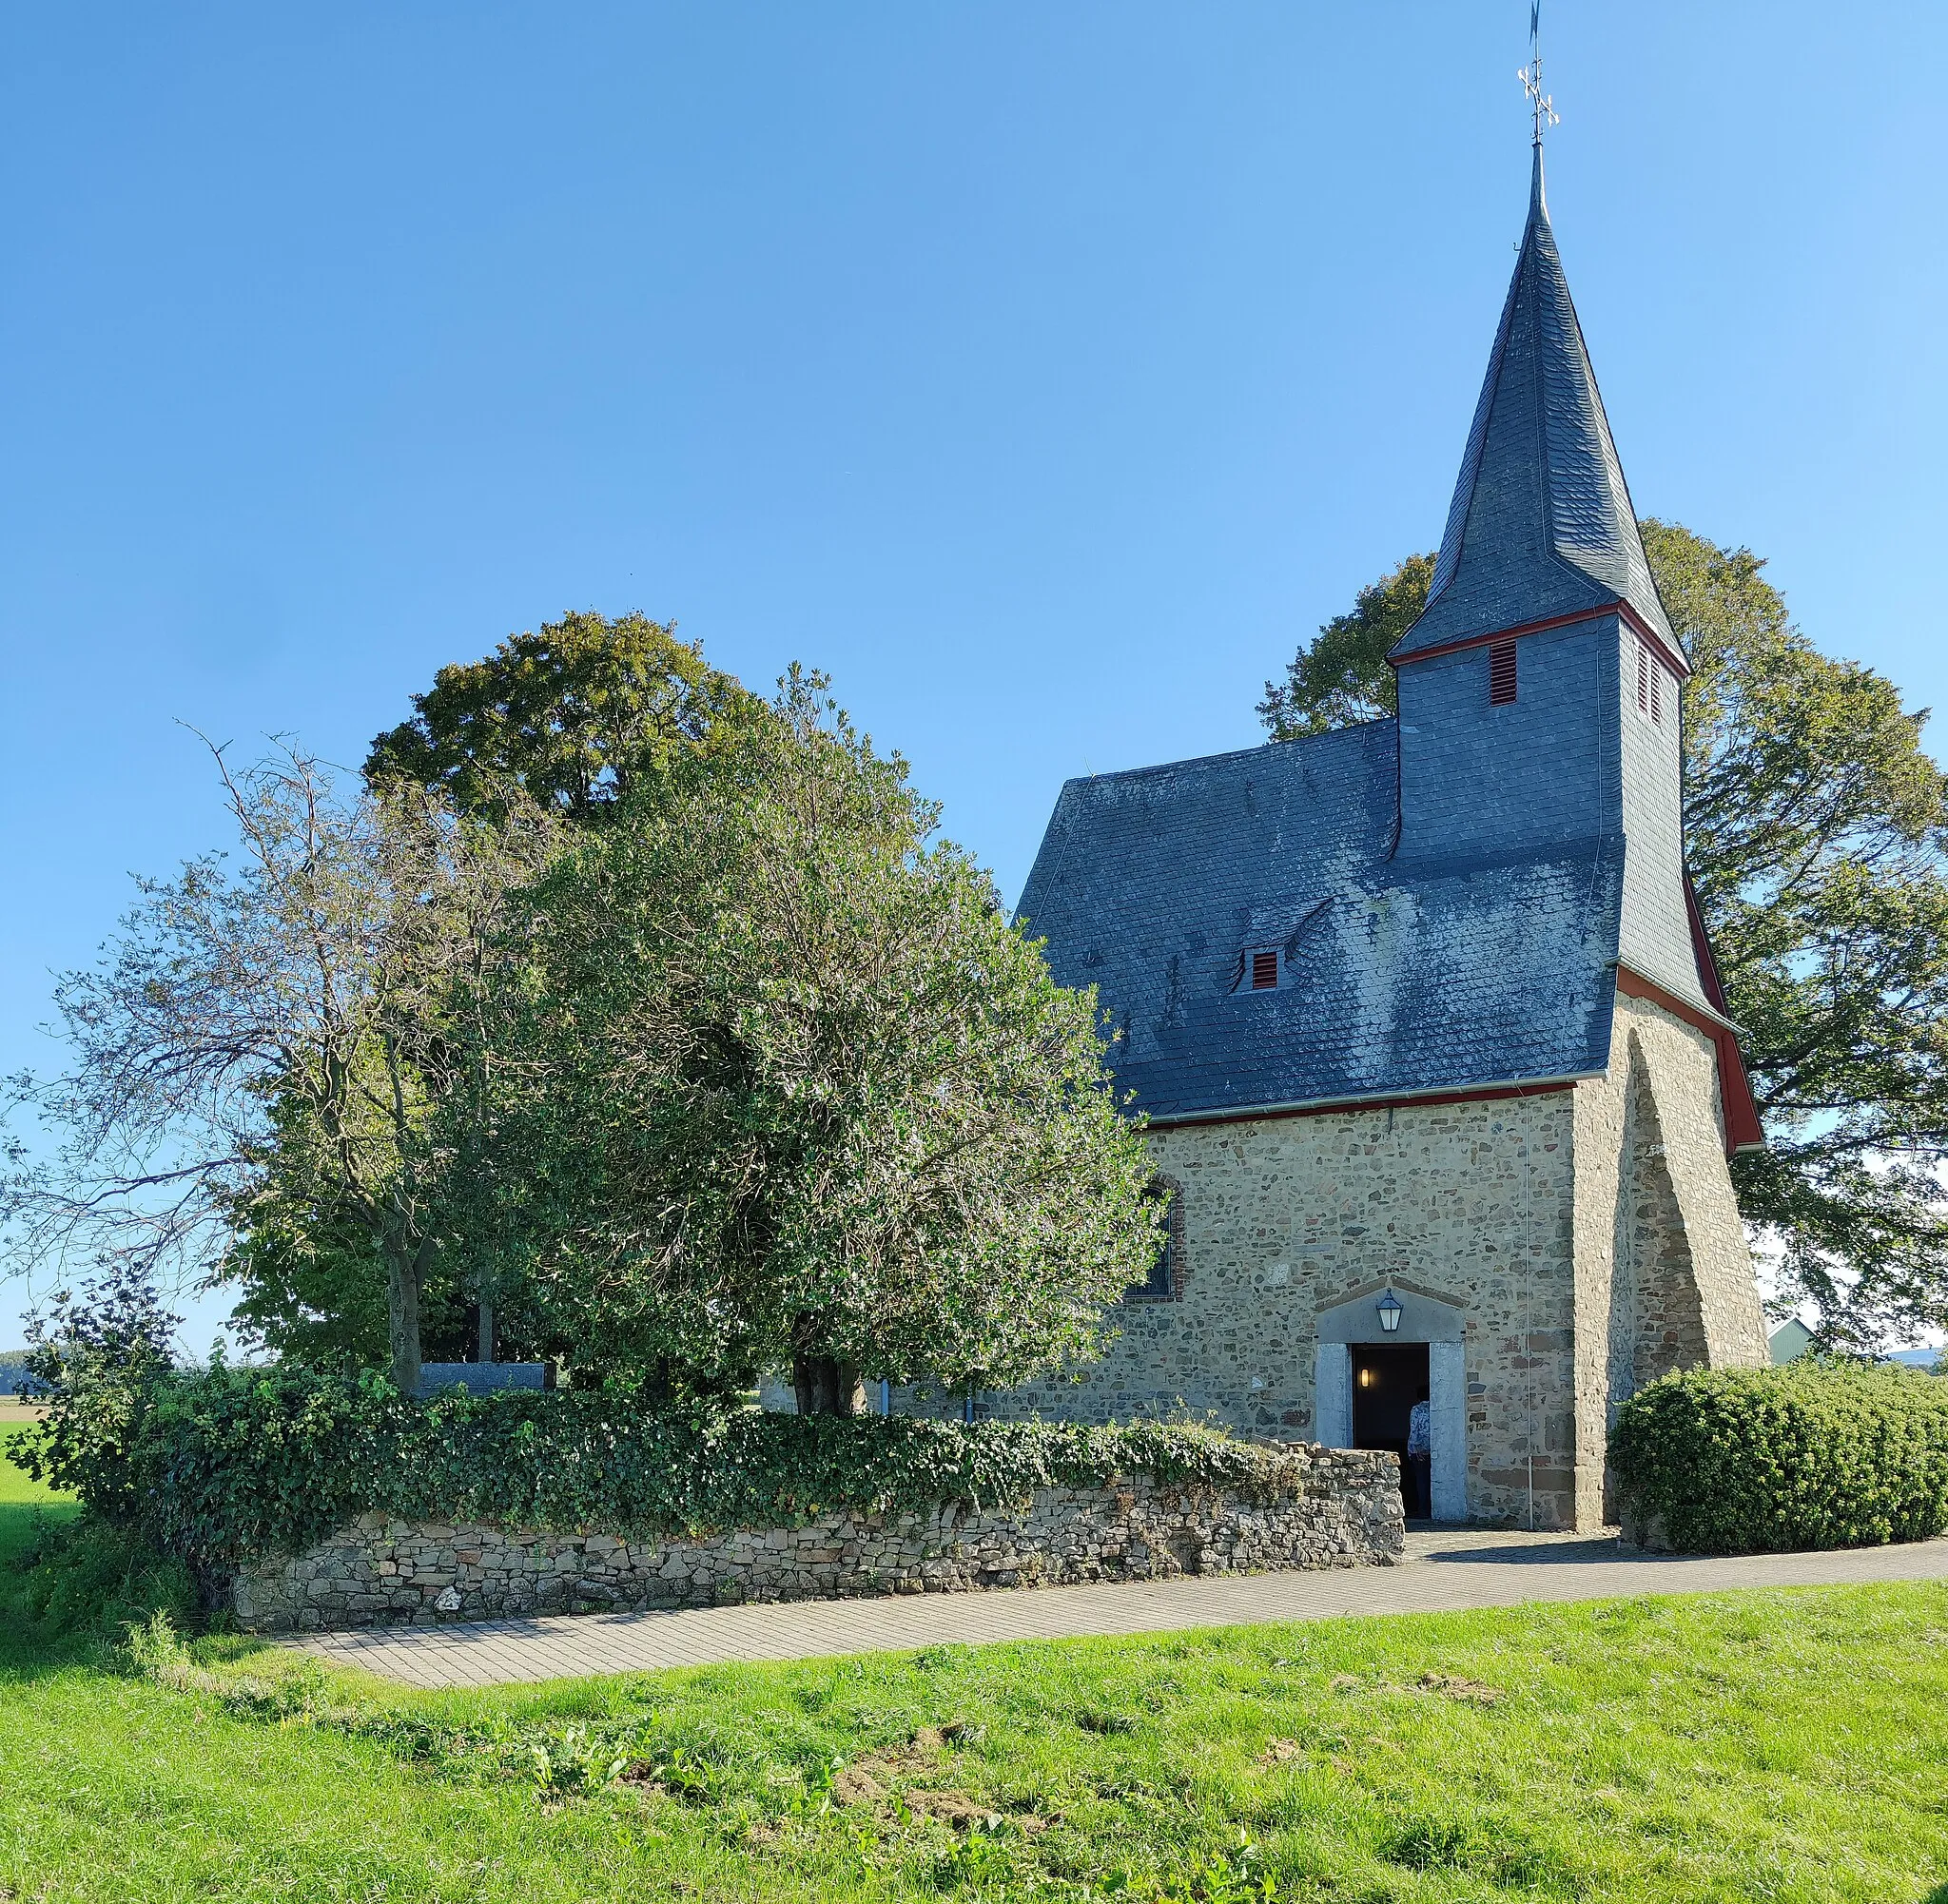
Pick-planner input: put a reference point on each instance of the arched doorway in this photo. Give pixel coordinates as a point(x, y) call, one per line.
point(1368, 1377)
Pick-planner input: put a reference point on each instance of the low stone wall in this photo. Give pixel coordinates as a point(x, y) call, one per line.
point(1321, 1509)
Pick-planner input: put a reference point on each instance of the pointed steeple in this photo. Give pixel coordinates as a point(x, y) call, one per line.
point(1541, 525)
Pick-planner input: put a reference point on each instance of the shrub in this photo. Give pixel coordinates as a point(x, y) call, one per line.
point(234, 1463)
point(1772, 1460)
point(87, 1579)
point(91, 1359)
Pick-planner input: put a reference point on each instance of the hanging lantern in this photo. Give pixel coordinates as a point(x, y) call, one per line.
point(1389, 1312)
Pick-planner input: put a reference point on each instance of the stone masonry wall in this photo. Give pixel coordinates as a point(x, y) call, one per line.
point(1589, 1235)
point(1284, 1217)
point(1320, 1509)
point(1663, 1277)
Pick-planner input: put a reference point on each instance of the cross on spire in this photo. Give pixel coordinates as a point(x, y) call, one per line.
point(1531, 76)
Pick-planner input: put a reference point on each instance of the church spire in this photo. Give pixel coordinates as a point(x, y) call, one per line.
point(1541, 525)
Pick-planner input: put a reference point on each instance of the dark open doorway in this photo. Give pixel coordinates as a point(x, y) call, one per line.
point(1388, 1379)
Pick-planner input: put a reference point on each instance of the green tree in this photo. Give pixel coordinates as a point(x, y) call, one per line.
point(572, 716)
point(778, 1084)
point(1817, 834)
point(261, 1051)
point(1341, 675)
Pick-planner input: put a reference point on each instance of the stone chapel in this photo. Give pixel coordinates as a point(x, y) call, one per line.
point(1422, 1012)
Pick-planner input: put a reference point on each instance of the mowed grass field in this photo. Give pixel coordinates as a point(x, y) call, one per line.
point(1779, 1746)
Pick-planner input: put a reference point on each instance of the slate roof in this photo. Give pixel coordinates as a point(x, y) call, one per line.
point(1397, 979)
point(1392, 981)
point(1541, 523)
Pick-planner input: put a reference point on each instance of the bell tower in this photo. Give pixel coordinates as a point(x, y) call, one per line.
point(1540, 688)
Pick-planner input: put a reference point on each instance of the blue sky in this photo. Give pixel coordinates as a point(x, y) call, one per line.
point(1045, 373)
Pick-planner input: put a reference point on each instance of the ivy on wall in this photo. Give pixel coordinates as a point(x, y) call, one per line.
point(235, 1465)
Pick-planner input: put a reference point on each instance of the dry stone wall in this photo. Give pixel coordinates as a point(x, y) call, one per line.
point(1319, 1508)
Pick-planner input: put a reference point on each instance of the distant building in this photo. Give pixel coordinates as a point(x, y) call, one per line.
point(1790, 1340)
point(1424, 1007)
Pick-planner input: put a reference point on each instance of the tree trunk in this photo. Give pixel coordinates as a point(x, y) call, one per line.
point(485, 1352)
point(404, 1272)
point(822, 1385)
point(827, 1387)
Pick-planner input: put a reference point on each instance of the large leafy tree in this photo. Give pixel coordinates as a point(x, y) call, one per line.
point(258, 1058)
point(1817, 834)
point(572, 716)
point(777, 1083)
point(1341, 675)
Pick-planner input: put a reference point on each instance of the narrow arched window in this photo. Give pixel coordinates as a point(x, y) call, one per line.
point(1165, 1279)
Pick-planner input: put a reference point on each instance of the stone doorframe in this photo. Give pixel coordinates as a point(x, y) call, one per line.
point(1423, 1319)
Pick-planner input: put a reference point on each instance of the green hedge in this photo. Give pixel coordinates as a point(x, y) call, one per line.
point(1745, 1461)
point(236, 1464)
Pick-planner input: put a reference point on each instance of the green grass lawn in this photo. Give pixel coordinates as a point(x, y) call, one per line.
point(1781, 1745)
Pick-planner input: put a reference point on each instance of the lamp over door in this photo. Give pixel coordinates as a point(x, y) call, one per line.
point(1389, 1312)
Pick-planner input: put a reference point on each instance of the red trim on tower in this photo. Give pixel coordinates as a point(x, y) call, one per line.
point(1629, 616)
point(1701, 948)
point(1673, 660)
point(1742, 1130)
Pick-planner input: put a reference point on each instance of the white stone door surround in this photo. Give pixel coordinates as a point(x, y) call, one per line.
point(1423, 1318)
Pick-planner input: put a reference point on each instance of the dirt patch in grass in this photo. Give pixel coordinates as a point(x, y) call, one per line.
point(893, 1776)
point(1453, 1686)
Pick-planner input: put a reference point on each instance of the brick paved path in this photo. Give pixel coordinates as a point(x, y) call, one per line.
point(1443, 1571)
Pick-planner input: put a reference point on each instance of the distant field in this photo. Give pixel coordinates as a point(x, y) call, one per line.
point(15, 1488)
point(19, 1499)
point(11, 1411)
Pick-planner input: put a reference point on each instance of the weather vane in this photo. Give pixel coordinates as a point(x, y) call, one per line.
point(1531, 75)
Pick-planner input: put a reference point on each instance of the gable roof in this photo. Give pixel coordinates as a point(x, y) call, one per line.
point(1541, 525)
point(1394, 982)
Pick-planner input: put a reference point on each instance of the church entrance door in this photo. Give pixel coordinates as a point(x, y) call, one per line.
point(1388, 1379)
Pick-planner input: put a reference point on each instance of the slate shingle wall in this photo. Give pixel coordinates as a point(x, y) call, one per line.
point(1538, 772)
point(1655, 932)
point(1454, 969)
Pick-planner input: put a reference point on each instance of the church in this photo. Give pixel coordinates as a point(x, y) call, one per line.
point(1438, 1071)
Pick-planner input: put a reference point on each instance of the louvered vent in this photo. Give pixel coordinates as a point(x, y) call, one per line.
point(1501, 673)
point(1649, 683)
point(1264, 971)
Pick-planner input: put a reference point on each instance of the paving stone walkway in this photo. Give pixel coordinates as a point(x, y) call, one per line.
point(1445, 1570)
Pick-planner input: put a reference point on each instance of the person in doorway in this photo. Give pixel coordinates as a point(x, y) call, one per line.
point(1420, 1459)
